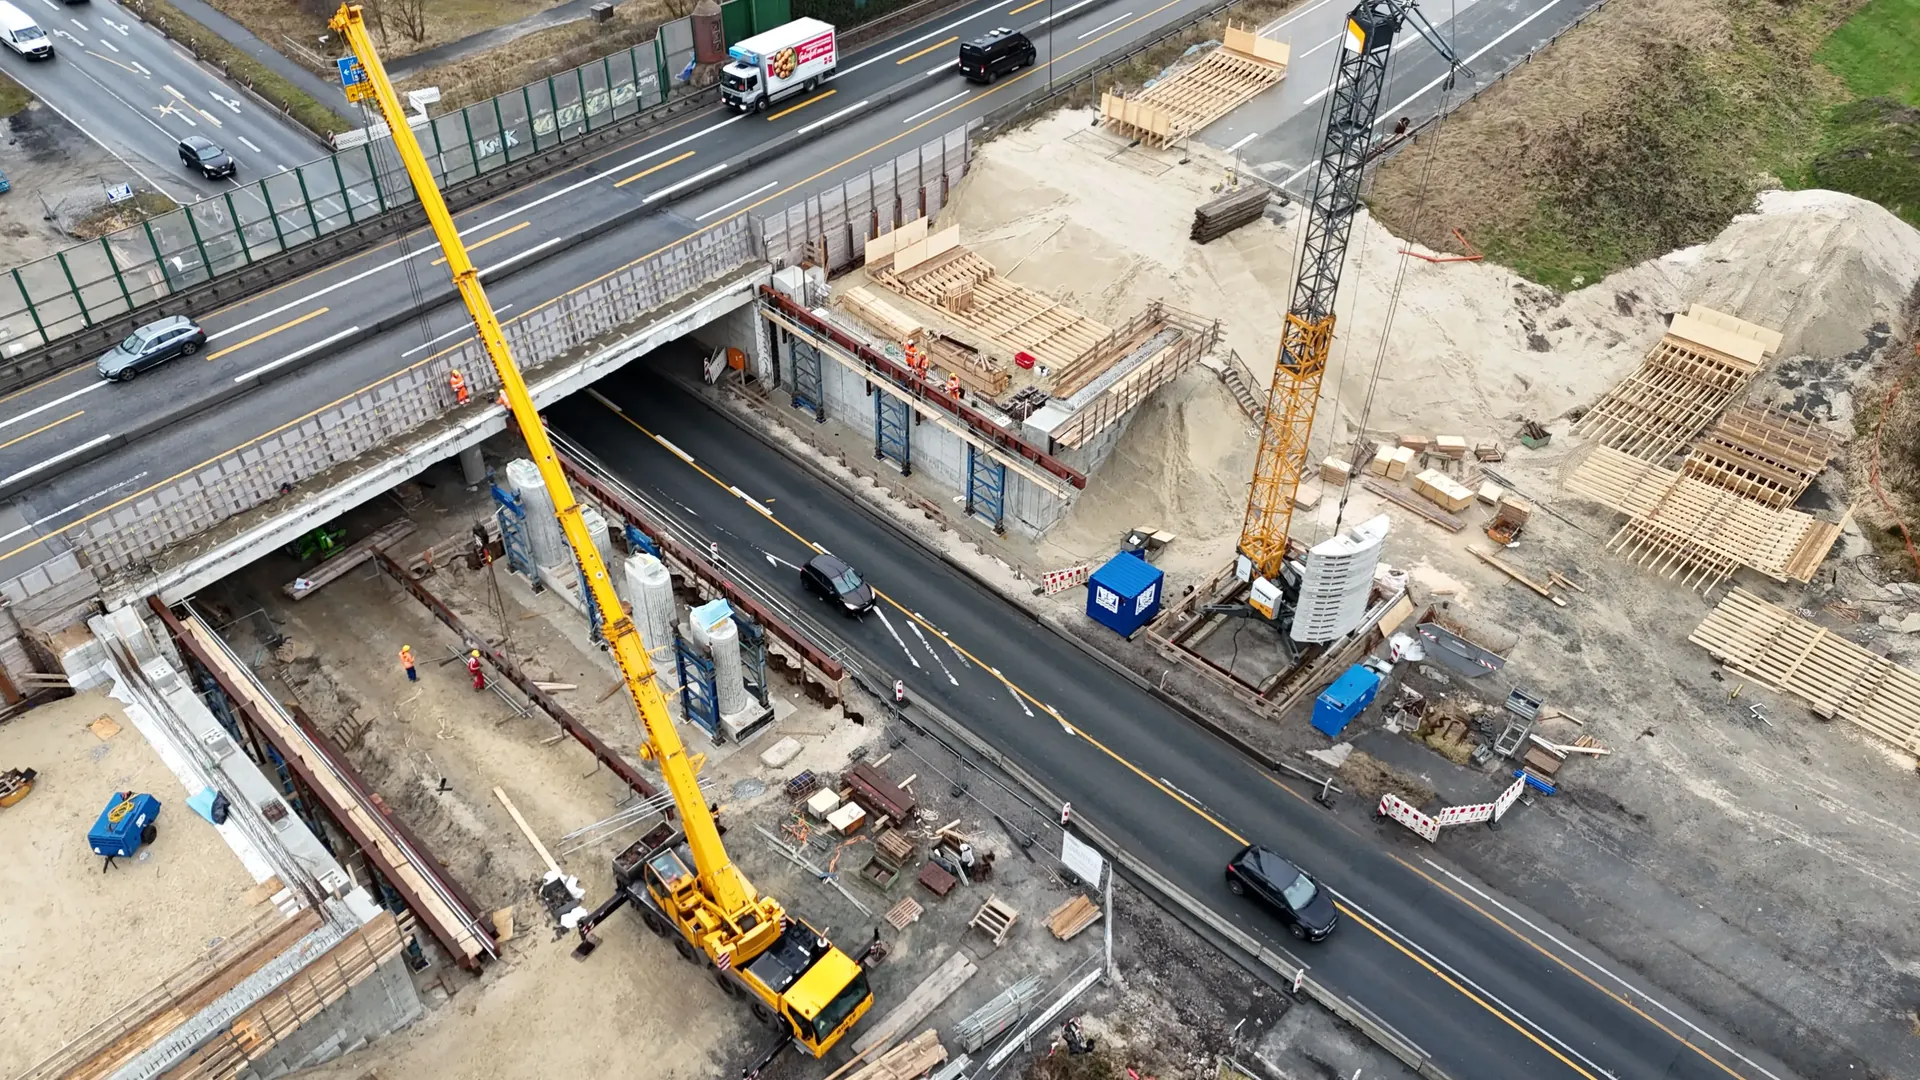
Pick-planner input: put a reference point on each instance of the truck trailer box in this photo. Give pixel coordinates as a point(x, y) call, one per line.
point(780, 63)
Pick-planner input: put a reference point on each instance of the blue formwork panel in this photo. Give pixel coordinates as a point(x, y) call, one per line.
point(1349, 695)
point(1124, 594)
point(117, 832)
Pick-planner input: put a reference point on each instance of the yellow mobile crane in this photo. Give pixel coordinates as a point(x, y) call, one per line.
point(795, 980)
point(1307, 339)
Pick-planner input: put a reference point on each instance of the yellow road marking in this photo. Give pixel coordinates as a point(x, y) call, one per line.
point(112, 61)
point(928, 49)
point(442, 260)
point(651, 169)
point(1556, 958)
point(263, 335)
point(38, 430)
point(1025, 6)
point(802, 105)
point(1464, 992)
point(48, 381)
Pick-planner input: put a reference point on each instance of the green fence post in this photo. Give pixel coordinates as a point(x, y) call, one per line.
point(526, 102)
point(32, 312)
point(341, 179)
point(639, 99)
point(473, 152)
point(438, 156)
point(239, 230)
point(660, 65)
point(114, 266)
point(199, 245)
point(586, 114)
point(373, 171)
point(500, 129)
point(158, 259)
point(273, 215)
point(77, 298)
point(306, 199)
point(606, 80)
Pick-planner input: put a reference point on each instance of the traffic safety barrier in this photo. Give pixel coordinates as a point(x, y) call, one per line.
point(1429, 825)
point(1055, 581)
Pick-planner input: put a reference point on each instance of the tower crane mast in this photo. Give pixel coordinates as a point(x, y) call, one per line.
point(1307, 335)
point(796, 980)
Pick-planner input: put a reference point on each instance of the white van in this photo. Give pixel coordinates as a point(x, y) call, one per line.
point(22, 34)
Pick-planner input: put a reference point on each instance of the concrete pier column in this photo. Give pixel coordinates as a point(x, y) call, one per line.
point(473, 468)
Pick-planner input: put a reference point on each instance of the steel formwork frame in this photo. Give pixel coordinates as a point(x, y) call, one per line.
point(808, 391)
point(893, 431)
point(986, 489)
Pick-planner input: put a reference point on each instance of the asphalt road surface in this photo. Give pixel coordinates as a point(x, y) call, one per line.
point(1433, 954)
point(137, 94)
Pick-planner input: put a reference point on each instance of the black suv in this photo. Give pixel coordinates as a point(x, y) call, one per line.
point(996, 53)
point(201, 154)
point(830, 578)
point(1303, 905)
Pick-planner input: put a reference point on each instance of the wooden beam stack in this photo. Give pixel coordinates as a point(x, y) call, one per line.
point(1213, 220)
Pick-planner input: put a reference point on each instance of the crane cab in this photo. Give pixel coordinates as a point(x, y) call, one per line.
point(822, 992)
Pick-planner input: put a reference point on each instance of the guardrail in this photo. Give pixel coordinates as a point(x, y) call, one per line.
point(128, 533)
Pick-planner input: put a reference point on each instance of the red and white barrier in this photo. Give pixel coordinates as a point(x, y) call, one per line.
point(1429, 826)
point(1054, 581)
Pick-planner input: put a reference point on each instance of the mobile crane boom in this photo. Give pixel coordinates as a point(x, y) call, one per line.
point(810, 989)
point(1307, 337)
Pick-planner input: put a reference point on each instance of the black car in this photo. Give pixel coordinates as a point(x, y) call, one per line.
point(154, 343)
point(830, 578)
point(996, 53)
point(1303, 905)
point(203, 155)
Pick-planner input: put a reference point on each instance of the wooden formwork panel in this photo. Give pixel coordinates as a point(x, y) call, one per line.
point(1784, 652)
point(1763, 454)
point(1688, 529)
point(1196, 96)
point(1674, 393)
point(969, 291)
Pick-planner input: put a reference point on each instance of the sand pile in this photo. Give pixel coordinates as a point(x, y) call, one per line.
point(1471, 349)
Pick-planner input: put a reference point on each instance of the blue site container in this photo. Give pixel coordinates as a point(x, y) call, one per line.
point(1124, 594)
point(1349, 695)
point(126, 823)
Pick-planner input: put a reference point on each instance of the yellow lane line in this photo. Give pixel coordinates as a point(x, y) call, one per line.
point(442, 260)
point(651, 169)
point(265, 334)
point(38, 430)
point(1464, 992)
point(802, 105)
point(1581, 975)
point(931, 48)
point(1025, 6)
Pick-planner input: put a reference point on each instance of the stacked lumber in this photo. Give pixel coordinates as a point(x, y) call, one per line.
point(1835, 677)
point(1070, 918)
point(1213, 220)
point(907, 1061)
point(879, 314)
point(1443, 490)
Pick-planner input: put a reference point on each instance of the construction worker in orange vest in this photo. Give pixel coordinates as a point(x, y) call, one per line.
point(406, 661)
point(458, 384)
point(953, 386)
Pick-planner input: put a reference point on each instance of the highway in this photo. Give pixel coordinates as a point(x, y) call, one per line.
point(1488, 999)
point(137, 94)
point(351, 324)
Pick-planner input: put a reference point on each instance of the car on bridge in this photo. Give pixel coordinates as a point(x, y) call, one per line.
point(1301, 902)
point(203, 155)
point(830, 578)
point(151, 345)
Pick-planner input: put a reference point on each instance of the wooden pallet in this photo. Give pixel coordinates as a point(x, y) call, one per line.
point(1674, 393)
point(1686, 529)
point(1196, 96)
point(1073, 916)
point(1762, 454)
point(904, 913)
point(1835, 677)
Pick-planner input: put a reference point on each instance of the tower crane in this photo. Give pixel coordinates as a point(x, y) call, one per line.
point(795, 980)
point(1307, 336)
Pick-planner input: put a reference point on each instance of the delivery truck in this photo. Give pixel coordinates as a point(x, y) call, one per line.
point(784, 61)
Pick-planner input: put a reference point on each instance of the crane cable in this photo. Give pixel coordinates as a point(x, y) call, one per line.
point(1400, 274)
point(383, 172)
